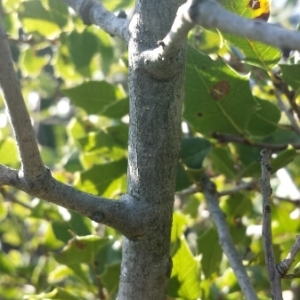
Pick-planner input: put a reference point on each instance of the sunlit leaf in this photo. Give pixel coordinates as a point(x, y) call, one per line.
point(8, 152)
point(80, 250)
point(93, 96)
point(255, 53)
point(99, 177)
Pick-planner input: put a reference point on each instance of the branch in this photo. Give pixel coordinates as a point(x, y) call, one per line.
point(35, 179)
point(31, 160)
point(227, 138)
point(251, 185)
point(93, 12)
point(121, 215)
point(266, 191)
point(248, 186)
point(210, 14)
point(225, 240)
point(285, 265)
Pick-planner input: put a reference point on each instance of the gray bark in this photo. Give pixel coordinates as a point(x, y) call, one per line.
point(154, 145)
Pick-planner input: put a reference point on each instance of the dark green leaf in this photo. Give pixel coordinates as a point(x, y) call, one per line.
point(110, 278)
point(193, 151)
point(290, 74)
point(216, 96)
point(223, 162)
point(208, 246)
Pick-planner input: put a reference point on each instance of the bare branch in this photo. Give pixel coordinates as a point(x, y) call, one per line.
point(285, 265)
point(121, 215)
point(251, 185)
point(35, 179)
point(11, 197)
point(225, 240)
point(93, 12)
point(210, 14)
point(228, 138)
point(31, 160)
point(266, 191)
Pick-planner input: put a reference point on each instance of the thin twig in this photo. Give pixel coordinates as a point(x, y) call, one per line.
point(251, 185)
point(10, 197)
point(294, 123)
point(225, 240)
point(285, 265)
point(32, 164)
point(228, 138)
point(295, 202)
point(266, 191)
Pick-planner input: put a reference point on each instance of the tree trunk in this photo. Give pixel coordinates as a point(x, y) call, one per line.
point(154, 145)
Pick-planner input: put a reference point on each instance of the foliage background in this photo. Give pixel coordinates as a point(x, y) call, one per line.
point(74, 81)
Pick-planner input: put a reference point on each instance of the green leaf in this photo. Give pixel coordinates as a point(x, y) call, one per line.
point(193, 152)
point(117, 109)
point(216, 96)
point(255, 53)
point(31, 64)
point(97, 179)
point(283, 159)
point(3, 209)
point(185, 280)
point(38, 19)
point(111, 277)
point(5, 265)
point(113, 5)
point(265, 120)
point(80, 250)
point(9, 152)
point(78, 224)
point(57, 294)
point(283, 136)
point(109, 254)
point(93, 96)
point(237, 206)
point(183, 180)
point(289, 75)
point(222, 161)
point(208, 246)
point(82, 47)
point(185, 272)
point(105, 143)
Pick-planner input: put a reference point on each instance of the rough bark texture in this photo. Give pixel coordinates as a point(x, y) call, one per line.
point(154, 145)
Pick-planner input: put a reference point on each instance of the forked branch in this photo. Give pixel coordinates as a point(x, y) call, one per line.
point(210, 14)
point(35, 179)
